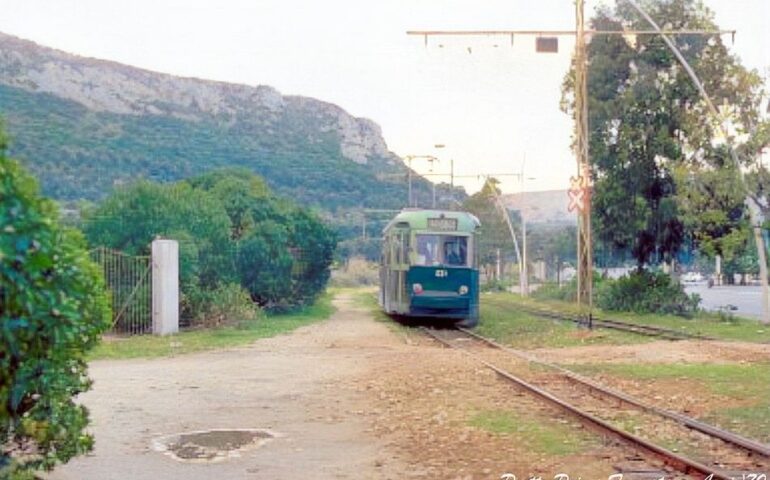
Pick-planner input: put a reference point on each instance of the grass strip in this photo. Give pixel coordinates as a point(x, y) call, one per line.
point(704, 323)
point(737, 395)
point(152, 346)
point(539, 435)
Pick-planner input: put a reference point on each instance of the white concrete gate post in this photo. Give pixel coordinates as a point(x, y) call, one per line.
point(165, 286)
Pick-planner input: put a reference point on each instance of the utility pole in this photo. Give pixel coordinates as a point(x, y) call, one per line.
point(409, 159)
point(581, 184)
point(433, 184)
point(584, 244)
point(525, 269)
point(409, 181)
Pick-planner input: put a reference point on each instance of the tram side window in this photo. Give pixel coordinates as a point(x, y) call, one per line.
point(385, 257)
point(399, 250)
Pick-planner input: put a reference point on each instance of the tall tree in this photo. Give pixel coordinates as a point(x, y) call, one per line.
point(647, 121)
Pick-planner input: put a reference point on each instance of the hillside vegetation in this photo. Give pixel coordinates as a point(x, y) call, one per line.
point(84, 126)
point(78, 153)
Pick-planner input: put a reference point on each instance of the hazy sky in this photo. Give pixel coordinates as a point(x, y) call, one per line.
point(490, 103)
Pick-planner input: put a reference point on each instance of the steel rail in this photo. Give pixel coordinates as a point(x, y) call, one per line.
point(689, 422)
point(647, 330)
point(681, 463)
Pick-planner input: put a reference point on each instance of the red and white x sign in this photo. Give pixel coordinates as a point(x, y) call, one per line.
point(576, 199)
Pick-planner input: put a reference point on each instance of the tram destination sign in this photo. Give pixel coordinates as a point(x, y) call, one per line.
point(442, 224)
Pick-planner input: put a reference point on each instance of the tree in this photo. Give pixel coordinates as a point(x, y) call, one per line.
point(282, 252)
point(231, 230)
point(647, 119)
point(52, 311)
point(133, 216)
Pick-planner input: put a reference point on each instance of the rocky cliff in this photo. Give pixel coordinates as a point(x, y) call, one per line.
point(84, 125)
point(105, 86)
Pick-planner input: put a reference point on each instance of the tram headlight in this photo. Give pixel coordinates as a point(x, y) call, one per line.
point(417, 288)
point(463, 289)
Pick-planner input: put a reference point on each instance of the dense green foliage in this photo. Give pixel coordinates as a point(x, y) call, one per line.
point(52, 311)
point(646, 292)
point(231, 230)
point(662, 174)
point(637, 292)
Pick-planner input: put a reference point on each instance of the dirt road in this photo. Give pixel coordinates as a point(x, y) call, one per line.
point(296, 386)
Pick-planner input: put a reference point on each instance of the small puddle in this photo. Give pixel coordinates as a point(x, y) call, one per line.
point(211, 445)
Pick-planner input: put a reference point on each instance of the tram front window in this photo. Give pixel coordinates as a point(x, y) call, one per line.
point(442, 250)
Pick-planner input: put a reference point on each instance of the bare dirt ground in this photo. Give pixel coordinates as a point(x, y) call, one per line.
point(346, 398)
point(689, 351)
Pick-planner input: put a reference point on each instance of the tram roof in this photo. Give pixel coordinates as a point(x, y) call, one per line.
point(417, 219)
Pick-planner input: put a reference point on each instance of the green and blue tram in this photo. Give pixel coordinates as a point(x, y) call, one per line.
point(429, 266)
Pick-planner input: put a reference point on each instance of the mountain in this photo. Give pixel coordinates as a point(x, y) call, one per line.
point(84, 125)
point(546, 207)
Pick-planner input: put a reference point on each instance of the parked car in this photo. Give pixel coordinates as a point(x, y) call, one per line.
point(692, 277)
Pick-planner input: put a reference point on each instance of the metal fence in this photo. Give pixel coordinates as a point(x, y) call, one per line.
point(129, 286)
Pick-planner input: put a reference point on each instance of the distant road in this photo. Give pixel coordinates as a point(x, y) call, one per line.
point(746, 299)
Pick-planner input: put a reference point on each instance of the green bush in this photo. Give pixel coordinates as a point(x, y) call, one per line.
point(52, 310)
point(225, 305)
point(646, 292)
point(230, 229)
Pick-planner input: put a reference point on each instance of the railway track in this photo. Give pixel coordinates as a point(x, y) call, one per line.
point(738, 456)
point(648, 330)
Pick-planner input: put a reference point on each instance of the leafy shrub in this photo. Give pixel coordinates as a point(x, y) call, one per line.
point(230, 229)
point(228, 304)
point(52, 310)
point(357, 272)
point(647, 292)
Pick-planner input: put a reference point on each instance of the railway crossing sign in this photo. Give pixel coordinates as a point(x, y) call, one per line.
point(576, 199)
point(578, 193)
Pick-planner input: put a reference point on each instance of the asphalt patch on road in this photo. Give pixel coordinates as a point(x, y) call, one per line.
point(209, 446)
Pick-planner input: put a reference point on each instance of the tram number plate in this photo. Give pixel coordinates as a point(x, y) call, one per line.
point(442, 273)
point(442, 224)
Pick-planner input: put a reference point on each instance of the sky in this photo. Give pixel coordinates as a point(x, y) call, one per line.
point(494, 106)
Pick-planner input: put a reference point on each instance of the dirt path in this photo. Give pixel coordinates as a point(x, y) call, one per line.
point(293, 385)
